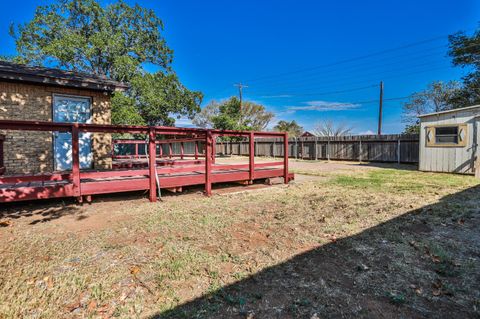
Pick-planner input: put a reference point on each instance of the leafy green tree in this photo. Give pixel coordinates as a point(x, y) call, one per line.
point(292, 128)
point(115, 41)
point(435, 98)
point(228, 115)
point(465, 53)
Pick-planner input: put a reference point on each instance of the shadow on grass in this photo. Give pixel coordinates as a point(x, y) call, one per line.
point(47, 210)
point(51, 209)
point(421, 264)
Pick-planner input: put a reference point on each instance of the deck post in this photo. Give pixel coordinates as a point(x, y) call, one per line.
point(136, 150)
point(152, 162)
point(285, 158)
point(170, 150)
point(208, 163)
point(196, 149)
point(181, 150)
point(214, 148)
point(160, 150)
point(76, 161)
point(251, 156)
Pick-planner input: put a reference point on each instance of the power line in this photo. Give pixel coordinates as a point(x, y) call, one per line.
point(360, 65)
point(355, 68)
point(329, 93)
point(359, 81)
point(352, 59)
point(409, 45)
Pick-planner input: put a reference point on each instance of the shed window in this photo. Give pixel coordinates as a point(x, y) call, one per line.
point(446, 135)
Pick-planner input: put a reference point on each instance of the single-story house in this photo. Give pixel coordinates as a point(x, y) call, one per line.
point(449, 141)
point(47, 94)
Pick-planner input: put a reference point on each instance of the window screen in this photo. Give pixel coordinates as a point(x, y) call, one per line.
point(446, 135)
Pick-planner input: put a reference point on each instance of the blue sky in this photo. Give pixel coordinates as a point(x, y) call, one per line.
point(294, 54)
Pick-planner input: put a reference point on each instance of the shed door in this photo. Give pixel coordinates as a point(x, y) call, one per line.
point(71, 109)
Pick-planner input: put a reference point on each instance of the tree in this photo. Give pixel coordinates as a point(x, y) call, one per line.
point(115, 41)
point(465, 52)
point(204, 117)
point(292, 128)
point(227, 115)
point(435, 98)
point(330, 129)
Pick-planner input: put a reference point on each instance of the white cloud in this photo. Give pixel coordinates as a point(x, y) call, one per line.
point(324, 106)
point(184, 122)
point(367, 132)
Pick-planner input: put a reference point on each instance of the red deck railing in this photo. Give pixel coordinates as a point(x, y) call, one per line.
point(2, 164)
point(139, 144)
point(79, 183)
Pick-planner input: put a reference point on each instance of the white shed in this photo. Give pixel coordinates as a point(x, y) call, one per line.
point(448, 141)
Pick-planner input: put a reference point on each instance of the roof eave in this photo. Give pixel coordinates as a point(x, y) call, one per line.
point(450, 111)
point(45, 80)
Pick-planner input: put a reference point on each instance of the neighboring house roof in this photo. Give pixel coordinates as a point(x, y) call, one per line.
point(451, 111)
point(50, 76)
point(307, 134)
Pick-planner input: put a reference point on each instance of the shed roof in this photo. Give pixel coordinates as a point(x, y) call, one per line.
point(51, 76)
point(451, 111)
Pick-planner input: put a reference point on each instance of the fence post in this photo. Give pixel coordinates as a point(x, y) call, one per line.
point(152, 162)
point(285, 158)
point(296, 147)
point(273, 147)
point(251, 155)
point(398, 151)
point(360, 150)
point(76, 162)
point(182, 150)
point(196, 149)
point(315, 148)
point(328, 148)
point(208, 163)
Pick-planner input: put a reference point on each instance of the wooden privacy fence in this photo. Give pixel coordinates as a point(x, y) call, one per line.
point(398, 148)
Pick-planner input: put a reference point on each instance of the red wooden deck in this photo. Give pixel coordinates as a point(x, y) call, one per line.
point(170, 173)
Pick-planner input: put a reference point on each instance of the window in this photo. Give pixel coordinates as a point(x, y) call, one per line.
point(447, 135)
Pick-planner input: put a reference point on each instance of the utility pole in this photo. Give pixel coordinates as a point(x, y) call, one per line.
point(240, 87)
point(380, 109)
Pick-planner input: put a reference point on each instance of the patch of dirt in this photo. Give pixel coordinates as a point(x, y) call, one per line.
point(247, 237)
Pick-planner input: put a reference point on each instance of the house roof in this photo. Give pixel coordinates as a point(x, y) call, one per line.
point(50, 76)
point(307, 133)
point(451, 111)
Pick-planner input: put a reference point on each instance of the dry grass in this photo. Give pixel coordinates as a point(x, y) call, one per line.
point(376, 243)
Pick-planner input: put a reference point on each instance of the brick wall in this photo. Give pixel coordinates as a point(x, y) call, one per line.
point(32, 152)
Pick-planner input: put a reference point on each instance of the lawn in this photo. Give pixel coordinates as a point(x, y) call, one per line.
point(374, 243)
